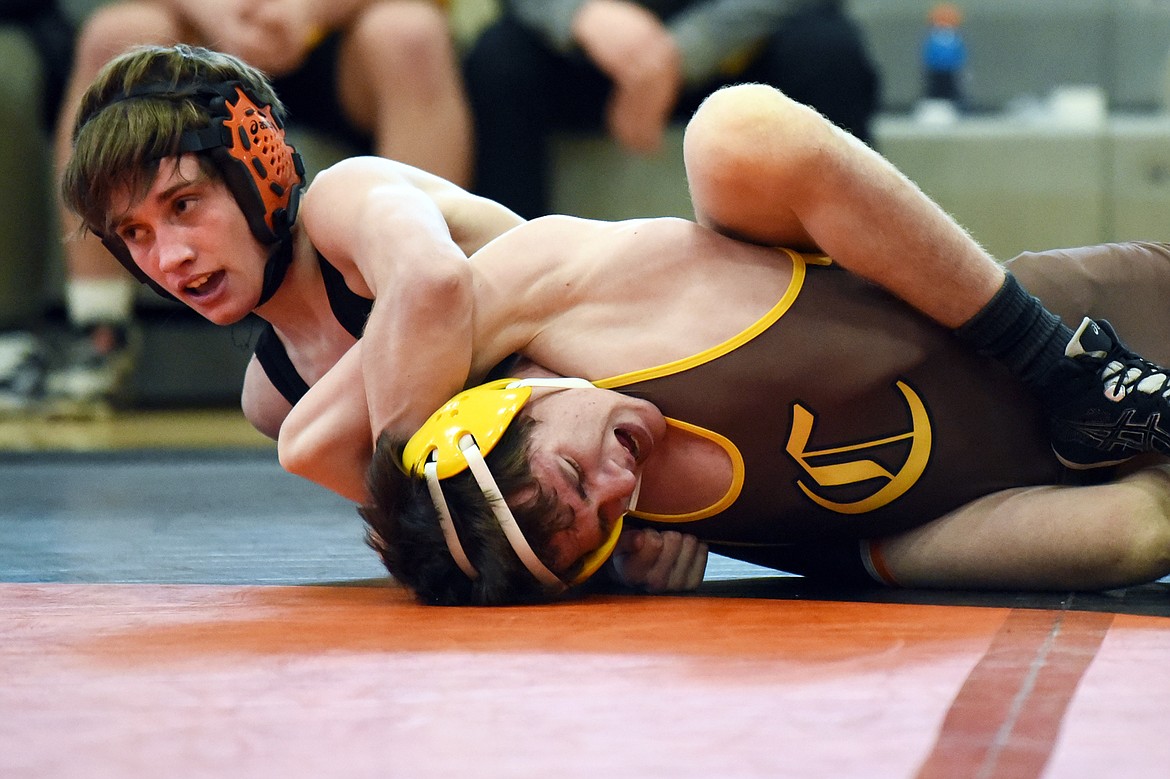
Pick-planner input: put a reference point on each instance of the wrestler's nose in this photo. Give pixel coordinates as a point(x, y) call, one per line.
point(173, 252)
point(613, 490)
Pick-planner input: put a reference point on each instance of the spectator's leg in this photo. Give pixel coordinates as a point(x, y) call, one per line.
point(99, 294)
point(521, 91)
point(399, 81)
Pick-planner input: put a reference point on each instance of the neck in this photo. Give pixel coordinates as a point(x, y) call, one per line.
point(300, 307)
point(688, 471)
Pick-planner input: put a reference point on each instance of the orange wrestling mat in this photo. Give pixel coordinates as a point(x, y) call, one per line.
point(176, 681)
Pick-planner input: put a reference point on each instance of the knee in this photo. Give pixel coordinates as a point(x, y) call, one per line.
point(745, 129)
point(112, 29)
point(411, 35)
point(743, 116)
point(1138, 550)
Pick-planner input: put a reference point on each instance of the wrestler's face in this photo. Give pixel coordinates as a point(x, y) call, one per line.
point(190, 237)
point(588, 449)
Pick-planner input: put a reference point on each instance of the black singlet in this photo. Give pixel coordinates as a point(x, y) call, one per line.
point(352, 311)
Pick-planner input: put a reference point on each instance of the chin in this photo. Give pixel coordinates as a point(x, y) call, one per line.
point(224, 318)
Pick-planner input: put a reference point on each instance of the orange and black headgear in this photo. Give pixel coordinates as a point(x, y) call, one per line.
point(247, 143)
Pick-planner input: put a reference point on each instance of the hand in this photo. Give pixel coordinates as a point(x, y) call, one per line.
point(634, 48)
point(272, 35)
point(660, 561)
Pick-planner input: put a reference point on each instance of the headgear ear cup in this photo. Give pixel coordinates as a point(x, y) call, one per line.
point(270, 171)
point(260, 167)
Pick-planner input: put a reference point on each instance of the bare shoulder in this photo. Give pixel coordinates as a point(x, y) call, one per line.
point(540, 273)
point(586, 248)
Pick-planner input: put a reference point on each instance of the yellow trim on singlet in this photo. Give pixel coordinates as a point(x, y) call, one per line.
point(799, 264)
point(733, 490)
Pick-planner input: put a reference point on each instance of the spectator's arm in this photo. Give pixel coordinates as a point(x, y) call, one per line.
point(708, 34)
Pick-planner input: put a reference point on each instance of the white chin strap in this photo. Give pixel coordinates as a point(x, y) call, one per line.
point(503, 514)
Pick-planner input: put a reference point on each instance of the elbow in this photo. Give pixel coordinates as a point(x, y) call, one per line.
point(291, 454)
point(442, 287)
point(294, 445)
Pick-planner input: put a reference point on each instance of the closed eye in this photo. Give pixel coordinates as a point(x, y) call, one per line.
point(577, 479)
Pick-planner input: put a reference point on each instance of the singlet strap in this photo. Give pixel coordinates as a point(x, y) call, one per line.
point(277, 365)
point(351, 309)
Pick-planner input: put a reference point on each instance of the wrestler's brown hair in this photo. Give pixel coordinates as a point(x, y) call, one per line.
point(403, 525)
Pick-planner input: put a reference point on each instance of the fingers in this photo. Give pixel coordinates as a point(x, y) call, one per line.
point(680, 566)
point(660, 561)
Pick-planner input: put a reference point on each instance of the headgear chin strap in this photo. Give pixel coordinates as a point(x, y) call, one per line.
point(262, 170)
point(457, 437)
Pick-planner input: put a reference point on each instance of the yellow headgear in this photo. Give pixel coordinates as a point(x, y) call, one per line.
point(457, 437)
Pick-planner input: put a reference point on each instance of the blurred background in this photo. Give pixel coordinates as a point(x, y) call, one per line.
point(1055, 131)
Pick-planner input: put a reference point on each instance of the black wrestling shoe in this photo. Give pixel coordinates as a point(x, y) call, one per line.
point(1106, 404)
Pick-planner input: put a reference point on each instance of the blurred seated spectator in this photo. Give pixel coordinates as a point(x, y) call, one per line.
point(36, 41)
point(381, 74)
point(632, 67)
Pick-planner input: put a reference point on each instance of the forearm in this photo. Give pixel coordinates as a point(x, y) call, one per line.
point(418, 347)
point(385, 226)
point(326, 437)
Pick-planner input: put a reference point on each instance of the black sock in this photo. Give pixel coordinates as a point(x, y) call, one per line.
point(1015, 329)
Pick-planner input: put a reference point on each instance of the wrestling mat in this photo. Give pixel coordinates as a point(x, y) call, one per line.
point(202, 614)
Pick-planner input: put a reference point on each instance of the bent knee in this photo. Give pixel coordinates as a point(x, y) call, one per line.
point(405, 30)
point(1139, 549)
point(750, 109)
point(750, 153)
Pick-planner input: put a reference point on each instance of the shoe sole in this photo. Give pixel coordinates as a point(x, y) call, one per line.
point(1075, 466)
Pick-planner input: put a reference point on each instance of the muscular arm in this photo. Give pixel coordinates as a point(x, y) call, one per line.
point(397, 235)
point(391, 242)
point(328, 436)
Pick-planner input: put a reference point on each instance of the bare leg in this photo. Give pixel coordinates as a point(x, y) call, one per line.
point(1050, 538)
point(98, 292)
point(767, 169)
point(400, 81)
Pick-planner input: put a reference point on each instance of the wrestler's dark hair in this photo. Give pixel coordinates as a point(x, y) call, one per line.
point(403, 526)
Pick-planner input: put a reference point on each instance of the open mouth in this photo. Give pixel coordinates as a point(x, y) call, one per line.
point(202, 286)
point(627, 441)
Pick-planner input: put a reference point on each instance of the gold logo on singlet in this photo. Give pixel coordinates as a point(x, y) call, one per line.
point(890, 485)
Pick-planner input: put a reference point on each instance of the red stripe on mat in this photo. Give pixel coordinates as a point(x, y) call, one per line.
point(1005, 719)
